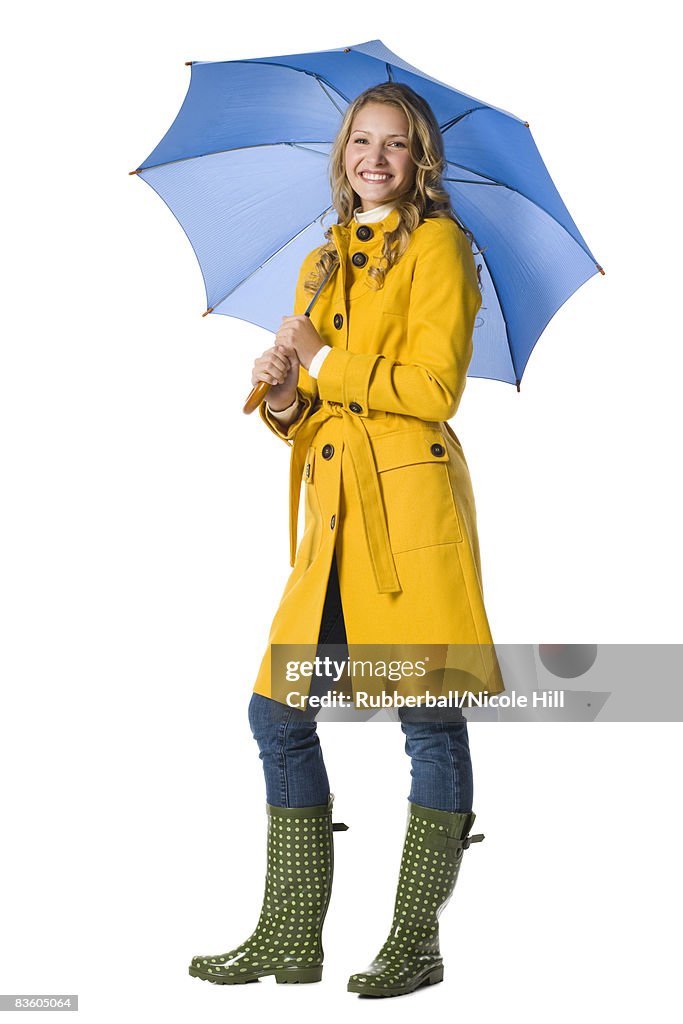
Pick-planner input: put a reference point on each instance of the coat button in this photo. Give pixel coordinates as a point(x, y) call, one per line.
point(338, 321)
point(364, 232)
point(438, 450)
point(327, 451)
point(308, 470)
point(333, 520)
point(359, 259)
point(355, 407)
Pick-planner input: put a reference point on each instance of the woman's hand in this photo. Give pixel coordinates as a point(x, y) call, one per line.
point(297, 333)
point(279, 367)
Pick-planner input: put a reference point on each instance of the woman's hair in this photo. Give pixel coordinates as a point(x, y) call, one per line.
point(427, 197)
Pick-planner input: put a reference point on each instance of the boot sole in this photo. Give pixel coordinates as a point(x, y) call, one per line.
point(432, 977)
point(302, 976)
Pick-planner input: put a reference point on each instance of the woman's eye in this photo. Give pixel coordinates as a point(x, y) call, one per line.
point(402, 144)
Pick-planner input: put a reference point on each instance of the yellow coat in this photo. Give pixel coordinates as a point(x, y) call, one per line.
point(384, 476)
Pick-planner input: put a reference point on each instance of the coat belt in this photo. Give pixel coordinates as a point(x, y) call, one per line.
point(357, 440)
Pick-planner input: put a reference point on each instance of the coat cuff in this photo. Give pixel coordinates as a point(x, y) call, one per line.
point(287, 415)
point(345, 377)
point(287, 432)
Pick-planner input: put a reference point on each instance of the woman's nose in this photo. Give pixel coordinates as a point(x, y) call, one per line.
point(377, 155)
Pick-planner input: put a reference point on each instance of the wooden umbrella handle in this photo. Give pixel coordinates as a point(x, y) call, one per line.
point(256, 396)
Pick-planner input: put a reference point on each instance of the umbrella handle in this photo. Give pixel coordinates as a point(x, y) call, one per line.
point(256, 396)
point(261, 389)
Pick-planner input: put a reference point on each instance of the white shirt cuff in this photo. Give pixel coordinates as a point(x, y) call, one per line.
point(287, 415)
point(318, 360)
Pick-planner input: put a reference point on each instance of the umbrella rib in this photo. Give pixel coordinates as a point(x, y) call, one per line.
point(272, 256)
point(237, 149)
point(301, 71)
point(447, 125)
point(299, 145)
point(330, 98)
point(489, 179)
point(470, 181)
point(533, 202)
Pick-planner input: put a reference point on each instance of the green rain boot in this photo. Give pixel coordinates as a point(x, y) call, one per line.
point(287, 941)
point(432, 852)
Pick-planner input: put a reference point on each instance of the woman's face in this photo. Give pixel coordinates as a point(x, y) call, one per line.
point(378, 164)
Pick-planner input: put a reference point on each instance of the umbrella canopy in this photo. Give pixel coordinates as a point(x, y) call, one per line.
point(244, 169)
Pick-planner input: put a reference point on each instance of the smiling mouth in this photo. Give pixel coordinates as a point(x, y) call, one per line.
point(378, 178)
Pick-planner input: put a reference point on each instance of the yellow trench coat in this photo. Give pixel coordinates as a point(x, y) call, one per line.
point(384, 476)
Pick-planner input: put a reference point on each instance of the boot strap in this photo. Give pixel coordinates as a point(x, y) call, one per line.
point(339, 826)
point(441, 841)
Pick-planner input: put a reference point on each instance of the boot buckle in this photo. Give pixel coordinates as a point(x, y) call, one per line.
point(439, 841)
point(471, 839)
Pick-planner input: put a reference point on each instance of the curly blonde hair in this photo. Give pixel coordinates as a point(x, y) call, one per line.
point(426, 198)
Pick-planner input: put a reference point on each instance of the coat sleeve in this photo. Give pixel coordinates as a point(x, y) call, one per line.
point(307, 389)
point(444, 301)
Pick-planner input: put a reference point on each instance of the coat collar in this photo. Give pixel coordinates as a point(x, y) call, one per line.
point(387, 223)
point(374, 215)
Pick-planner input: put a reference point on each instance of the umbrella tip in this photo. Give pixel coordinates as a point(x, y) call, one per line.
point(517, 382)
point(132, 172)
point(526, 124)
point(188, 62)
point(600, 269)
point(209, 310)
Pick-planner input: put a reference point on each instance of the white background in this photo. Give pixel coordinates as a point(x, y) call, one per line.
point(144, 540)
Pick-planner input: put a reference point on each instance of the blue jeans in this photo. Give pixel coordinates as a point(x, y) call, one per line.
point(289, 746)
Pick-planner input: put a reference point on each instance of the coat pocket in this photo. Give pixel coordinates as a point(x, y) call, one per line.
point(416, 489)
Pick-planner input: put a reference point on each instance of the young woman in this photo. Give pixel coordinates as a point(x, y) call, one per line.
point(362, 391)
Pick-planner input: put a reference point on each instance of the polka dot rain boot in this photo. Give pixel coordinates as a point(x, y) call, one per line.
point(287, 941)
point(432, 852)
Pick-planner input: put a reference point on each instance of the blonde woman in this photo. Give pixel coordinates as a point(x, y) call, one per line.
point(362, 391)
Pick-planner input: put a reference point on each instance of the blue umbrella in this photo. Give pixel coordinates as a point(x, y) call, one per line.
point(244, 169)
